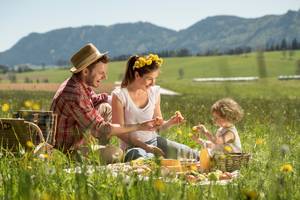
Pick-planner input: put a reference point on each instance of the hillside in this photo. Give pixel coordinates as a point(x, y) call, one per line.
point(213, 33)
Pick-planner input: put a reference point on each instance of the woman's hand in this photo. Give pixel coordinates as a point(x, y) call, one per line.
point(155, 150)
point(158, 121)
point(176, 119)
point(147, 125)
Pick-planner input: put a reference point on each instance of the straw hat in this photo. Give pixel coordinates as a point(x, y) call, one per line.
point(84, 57)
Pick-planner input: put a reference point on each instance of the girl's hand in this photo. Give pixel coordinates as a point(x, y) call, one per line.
point(195, 137)
point(200, 128)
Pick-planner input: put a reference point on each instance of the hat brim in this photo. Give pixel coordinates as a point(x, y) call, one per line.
point(75, 70)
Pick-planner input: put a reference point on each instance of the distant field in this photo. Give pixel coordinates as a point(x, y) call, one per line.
point(210, 66)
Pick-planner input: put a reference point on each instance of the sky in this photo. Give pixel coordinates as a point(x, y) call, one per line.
point(18, 18)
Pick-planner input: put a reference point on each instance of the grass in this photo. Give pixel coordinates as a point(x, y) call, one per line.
point(269, 131)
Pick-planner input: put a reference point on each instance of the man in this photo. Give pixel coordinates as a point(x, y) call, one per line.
point(80, 109)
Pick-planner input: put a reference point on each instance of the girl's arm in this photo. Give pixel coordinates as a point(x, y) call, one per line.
point(225, 138)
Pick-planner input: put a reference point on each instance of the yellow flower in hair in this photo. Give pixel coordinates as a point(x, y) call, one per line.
point(149, 62)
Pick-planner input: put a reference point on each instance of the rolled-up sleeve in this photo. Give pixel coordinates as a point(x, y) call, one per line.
point(97, 99)
point(87, 117)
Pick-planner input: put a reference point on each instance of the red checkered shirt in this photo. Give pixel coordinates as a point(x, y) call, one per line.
point(76, 106)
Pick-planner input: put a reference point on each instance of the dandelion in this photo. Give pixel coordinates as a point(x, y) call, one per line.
point(227, 149)
point(45, 196)
point(260, 141)
point(29, 144)
point(36, 106)
point(250, 194)
point(179, 131)
point(43, 156)
point(28, 104)
point(159, 185)
point(194, 168)
point(194, 128)
point(286, 168)
point(5, 107)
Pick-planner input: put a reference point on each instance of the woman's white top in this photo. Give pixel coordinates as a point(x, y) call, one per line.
point(133, 114)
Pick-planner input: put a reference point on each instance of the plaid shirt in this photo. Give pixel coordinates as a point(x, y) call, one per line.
point(76, 107)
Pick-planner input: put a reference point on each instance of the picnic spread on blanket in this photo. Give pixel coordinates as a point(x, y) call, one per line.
point(168, 170)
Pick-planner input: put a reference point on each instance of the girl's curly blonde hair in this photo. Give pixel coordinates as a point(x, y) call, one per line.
point(228, 109)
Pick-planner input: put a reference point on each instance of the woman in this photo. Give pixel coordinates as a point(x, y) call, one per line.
point(138, 100)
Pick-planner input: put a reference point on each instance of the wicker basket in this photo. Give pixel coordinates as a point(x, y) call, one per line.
point(16, 132)
point(46, 120)
point(231, 161)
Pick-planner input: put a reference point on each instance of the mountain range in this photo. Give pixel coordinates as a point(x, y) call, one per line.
point(212, 33)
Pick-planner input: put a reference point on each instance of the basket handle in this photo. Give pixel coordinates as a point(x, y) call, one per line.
point(37, 129)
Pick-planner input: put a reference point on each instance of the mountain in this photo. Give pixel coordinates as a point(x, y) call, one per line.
point(218, 33)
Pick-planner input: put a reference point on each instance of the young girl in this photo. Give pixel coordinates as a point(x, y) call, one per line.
point(225, 112)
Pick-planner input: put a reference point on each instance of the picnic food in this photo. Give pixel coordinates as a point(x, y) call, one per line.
point(178, 113)
point(171, 164)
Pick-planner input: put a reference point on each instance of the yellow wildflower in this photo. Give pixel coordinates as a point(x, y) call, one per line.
point(45, 196)
point(179, 131)
point(194, 168)
point(29, 144)
point(250, 194)
point(43, 156)
point(259, 141)
point(227, 149)
point(28, 104)
point(286, 168)
point(36, 106)
point(159, 185)
point(194, 128)
point(190, 134)
point(5, 107)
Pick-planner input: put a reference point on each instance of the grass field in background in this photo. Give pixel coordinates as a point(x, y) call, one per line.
point(206, 66)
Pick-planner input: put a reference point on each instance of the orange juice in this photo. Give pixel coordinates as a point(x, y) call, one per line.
point(205, 160)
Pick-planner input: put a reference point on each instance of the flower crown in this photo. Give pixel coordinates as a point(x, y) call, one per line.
point(147, 60)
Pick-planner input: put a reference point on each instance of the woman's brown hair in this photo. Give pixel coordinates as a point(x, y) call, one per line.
point(130, 70)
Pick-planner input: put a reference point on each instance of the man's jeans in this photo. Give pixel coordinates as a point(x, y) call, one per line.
point(171, 149)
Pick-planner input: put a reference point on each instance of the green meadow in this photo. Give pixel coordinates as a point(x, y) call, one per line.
point(269, 131)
